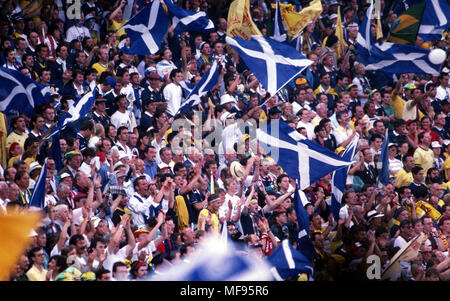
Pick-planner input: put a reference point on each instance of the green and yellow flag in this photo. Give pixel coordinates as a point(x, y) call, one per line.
point(240, 23)
point(404, 30)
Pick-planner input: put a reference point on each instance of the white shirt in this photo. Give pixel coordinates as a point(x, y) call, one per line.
point(139, 209)
point(442, 93)
point(223, 210)
point(309, 129)
point(75, 32)
point(113, 258)
point(173, 95)
point(127, 119)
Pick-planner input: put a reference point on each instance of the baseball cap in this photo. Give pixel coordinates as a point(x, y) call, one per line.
point(409, 86)
point(435, 144)
point(111, 81)
point(350, 86)
point(149, 70)
point(154, 75)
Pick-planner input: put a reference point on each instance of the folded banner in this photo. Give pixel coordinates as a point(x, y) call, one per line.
point(297, 21)
point(240, 23)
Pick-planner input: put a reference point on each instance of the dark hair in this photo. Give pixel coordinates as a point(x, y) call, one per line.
point(60, 261)
point(34, 250)
point(136, 181)
point(416, 169)
point(118, 264)
point(99, 274)
point(75, 238)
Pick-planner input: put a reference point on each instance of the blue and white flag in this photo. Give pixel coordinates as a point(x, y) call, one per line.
point(19, 93)
point(184, 20)
point(339, 178)
point(55, 151)
point(147, 29)
point(206, 83)
point(391, 57)
point(279, 31)
point(213, 260)
point(383, 162)
point(304, 242)
point(435, 20)
point(300, 158)
point(274, 64)
point(287, 262)
point(38, 196)
point(78, 110)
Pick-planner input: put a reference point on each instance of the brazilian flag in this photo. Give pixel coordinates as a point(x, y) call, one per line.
point(404, 30)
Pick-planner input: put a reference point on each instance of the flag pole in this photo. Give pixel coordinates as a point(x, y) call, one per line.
point(267, 99)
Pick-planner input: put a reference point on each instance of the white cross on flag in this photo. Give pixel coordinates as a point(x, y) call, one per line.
point(273, 63)
point(147, 29)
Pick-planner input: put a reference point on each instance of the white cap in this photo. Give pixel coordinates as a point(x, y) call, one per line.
point(227, 98)
point(226, 115)
point(435, 144)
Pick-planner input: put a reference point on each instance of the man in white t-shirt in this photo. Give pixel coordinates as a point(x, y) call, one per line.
point(173, 92)
point(123, 117)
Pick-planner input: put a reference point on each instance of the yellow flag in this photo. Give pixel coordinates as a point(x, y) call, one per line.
point(297, 21)
point(14, 231)
point(3, 134)
point(240, 23)
point(340, 35)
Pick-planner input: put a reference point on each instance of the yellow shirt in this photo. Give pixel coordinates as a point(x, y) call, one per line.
point(403, 178)
point(114, 25)
point(424, 158)
point(14, 137)
point(397, 102)
point(34, 274)
point(100, 68)
point(446, 167)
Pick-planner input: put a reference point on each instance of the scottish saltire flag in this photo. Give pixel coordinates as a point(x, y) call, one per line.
point(390, 57)
point(147, 29)
point(55, 151)
point(38, 196)
point(383, 162)
point(340, 177)
point(305, 245)
point(20, 93)
point(187, 87)
point(300, 158)
point(435, 20)
point(207, 82)
point(184, 20)
point(273, 63)
point(279, 31)
point(214, 261)
point(288, 262)
point(78, 110)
